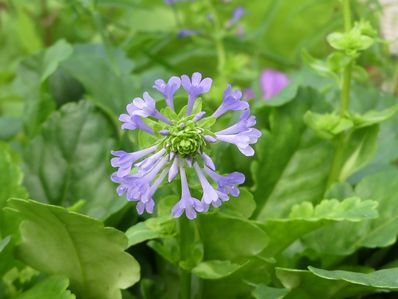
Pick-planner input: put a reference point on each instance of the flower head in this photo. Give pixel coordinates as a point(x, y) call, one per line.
point(182, 142)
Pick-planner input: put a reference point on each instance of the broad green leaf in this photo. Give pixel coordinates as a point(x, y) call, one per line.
point(372, 233)
point(242, 206)
point(359, 149)
point(305, 285)
point(76, 246)
point(105, 75)
point(69, 161)
point(54, 56)
point(377, 105)
point(383, 279)
point(305, 218)
point(153, 228)
point(51, 287)
point(215, 269)
point(265, 292)
point(226, 237)
point(300, 172)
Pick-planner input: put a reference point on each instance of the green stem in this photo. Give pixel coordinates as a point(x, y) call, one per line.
point(344, 105)
point(185, 284)
point(185, 276)
point(218, 38)
point(346, 84)
point(345, 89)
point(347, 15)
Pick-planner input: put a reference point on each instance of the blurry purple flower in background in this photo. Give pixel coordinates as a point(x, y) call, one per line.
point(248, 94)
point(186, 32)
point(272, 82)
point(237, 14)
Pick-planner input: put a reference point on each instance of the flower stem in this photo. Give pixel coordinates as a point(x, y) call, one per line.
point(347, 15)
point(218, 38)
point(344, 104)
point(185, 284)
point(346, 84)
point(185, 276)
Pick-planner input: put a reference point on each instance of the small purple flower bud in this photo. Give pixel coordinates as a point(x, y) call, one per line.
point(199, 116)
point(164, 132)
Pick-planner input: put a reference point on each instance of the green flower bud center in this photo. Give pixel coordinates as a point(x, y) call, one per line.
point(185, 139)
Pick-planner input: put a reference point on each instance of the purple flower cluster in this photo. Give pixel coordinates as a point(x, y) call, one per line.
point(182, 140)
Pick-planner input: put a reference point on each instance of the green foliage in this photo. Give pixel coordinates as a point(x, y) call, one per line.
point(51, 287)
point(303, 160)
point(80, 259)
point(65, 164)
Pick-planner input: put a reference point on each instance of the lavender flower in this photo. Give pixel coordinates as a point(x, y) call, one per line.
point(180, 147)
point(195, 87)
point(237, 14)
point(186, 32)
point(272, 82)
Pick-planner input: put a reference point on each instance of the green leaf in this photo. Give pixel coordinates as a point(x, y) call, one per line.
point(373, 233)
point(197, 106)
point(305, 285)
point(153, 228)
point(359, 149)
point(215, 269)
point(54, 56)
point(10, 178)
point(92, 64)
point(305, 218)
point(242, 206)
point(321, 67)
point(223, 237)
point(207, 122)
point(350, 209)
point(51, 287)
point(265, 292)
point(69, 161)
point(303, 162)
point(383, 279)
point(373, 117)
point(350, 42)
point(77, 247)
point(329, 125)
